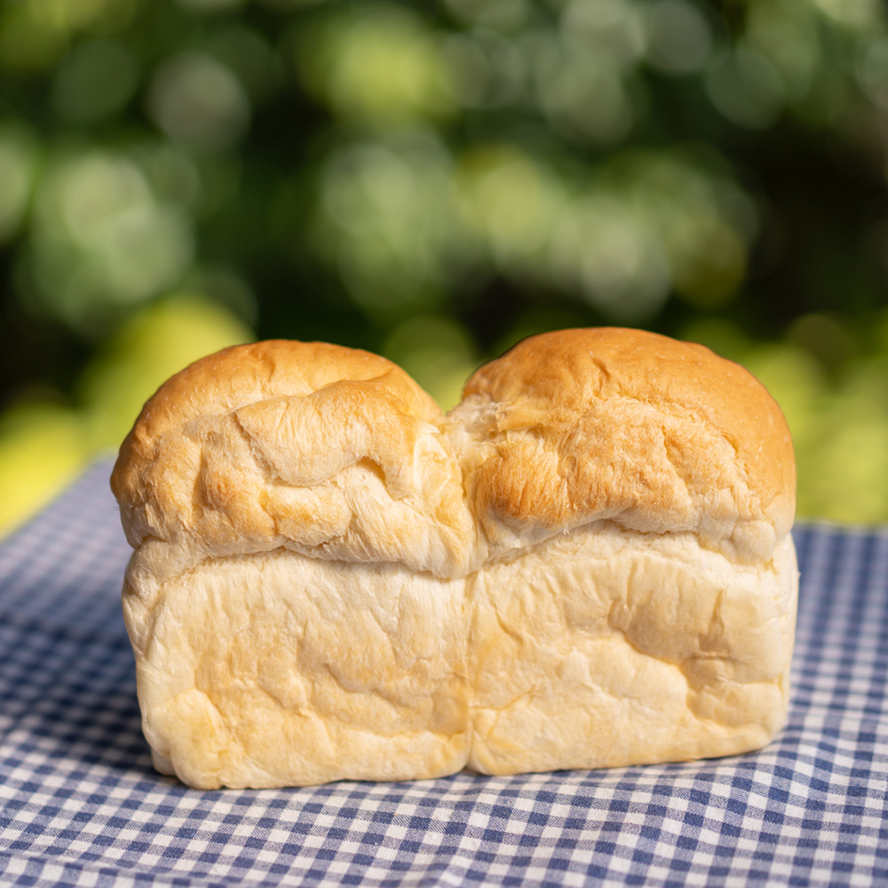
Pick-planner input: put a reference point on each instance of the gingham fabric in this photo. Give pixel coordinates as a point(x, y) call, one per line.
point(81, 805)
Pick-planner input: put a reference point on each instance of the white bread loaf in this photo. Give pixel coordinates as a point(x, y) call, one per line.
point(586, 563)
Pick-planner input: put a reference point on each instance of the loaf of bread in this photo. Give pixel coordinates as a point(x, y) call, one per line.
point(587, 563)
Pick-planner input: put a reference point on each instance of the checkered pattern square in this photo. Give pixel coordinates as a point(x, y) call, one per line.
point(81, 806)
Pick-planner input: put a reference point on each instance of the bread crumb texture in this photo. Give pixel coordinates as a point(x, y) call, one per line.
point(587, 563)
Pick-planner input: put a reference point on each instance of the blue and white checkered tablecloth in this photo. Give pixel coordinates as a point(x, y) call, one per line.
point(81, 805)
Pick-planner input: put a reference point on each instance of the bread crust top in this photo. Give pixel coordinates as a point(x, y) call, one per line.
point(338, 453)
point(627, 425)
point(319, 448)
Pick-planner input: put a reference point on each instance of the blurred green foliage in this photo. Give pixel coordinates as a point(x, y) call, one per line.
point(434, 181)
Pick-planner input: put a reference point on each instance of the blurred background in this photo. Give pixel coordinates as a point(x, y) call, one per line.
point(434, 181)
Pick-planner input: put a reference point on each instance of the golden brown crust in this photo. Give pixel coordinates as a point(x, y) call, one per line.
point(307, 446)
point(657, 434)
point(336, 451)
point(244, 374)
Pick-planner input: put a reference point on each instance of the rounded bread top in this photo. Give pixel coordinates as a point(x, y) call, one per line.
point(655, 434)
point(339, 454)
point(243, 374)
point(319, 448)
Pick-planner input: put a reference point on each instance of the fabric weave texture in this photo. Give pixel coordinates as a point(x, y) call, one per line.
point(80, 804)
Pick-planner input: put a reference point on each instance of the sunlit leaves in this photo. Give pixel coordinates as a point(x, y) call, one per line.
point(433, 180)
point(387, 221)
point(197, 101)
point(35, 33)
point(376, 65)
point(19, 157)
point(100, 238)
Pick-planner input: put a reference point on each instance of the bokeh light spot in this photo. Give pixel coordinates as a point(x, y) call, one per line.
point(745, 87)
point(43, 445)
point(196, 100)
point(19, 152)
point(436, 352)
point(679, 38)
point(582, 92)
point(102, 239)
point(510, 199)
point(612, 257)
point(387, 220)
point(381, 67)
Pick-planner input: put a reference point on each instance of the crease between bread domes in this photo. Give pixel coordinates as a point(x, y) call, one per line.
point(521, 467)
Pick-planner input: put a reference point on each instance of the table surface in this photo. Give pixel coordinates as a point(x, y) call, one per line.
point(81, 805)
